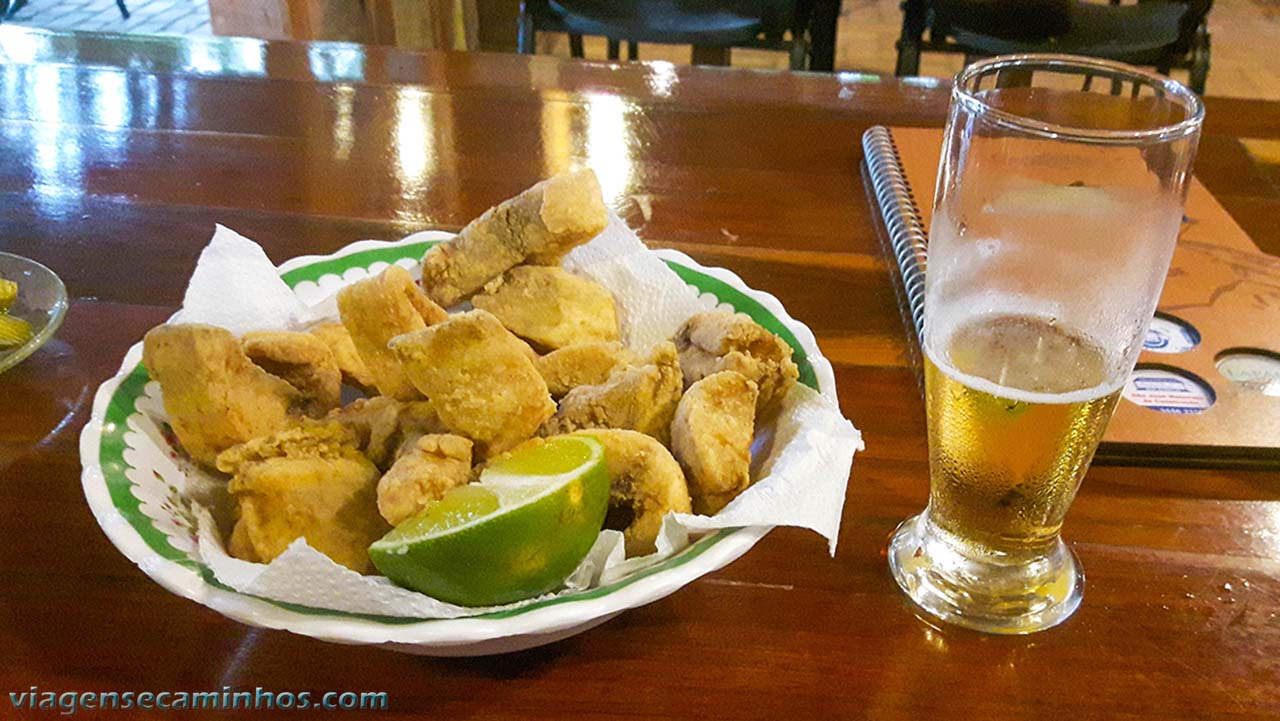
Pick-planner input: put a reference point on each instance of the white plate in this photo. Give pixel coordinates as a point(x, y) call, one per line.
point(132, 476)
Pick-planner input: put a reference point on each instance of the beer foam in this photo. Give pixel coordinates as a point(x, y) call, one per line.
point(1015, 394)
point(995, 334)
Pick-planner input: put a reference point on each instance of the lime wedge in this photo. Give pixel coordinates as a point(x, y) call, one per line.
point(517, 533)
point(459, 506)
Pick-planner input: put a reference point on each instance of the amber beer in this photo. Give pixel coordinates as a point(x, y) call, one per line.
point(1016, 407)
point(1056, 209)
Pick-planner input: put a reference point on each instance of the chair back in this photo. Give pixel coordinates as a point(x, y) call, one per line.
point(1197, 11)
point(1022, 20)
point(1037, 20)
point(777, 16)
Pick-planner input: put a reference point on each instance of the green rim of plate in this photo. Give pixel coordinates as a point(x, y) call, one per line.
point(122, 405)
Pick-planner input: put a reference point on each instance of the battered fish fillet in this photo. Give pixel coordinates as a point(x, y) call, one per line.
point(304, 482)
point(711, 437)
point(417, 419)
point(646, 484)
point(374, 421)
point(307, 439)
point(642, 398)
point(383, 425)
point(537, 226)
point(214, 395)
point(549, 307)
point(423, 472)
point(354, 372)
point(718, 340)
point(301, 359)
point(582, 365)
point(377, 309)
point(478, 378)
point(239, 545)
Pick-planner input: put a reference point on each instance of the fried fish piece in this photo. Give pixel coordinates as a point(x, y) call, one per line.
point(214, 395)
point(582, 365)
point(722, 341)
point(240, 546)
point(301, 359)
point(300, 440)
point(383, 425)
point(641, 398)
point(354, 372)
point(711, 437)
point(537, 226)
point(550, 307)
point(379, 308)
point(374, 421)
point(311, 482)
point(417, 419)
point(478, 378)
point(424, 470)
point(646, 484)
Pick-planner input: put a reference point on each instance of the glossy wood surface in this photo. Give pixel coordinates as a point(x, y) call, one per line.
point(119, 156)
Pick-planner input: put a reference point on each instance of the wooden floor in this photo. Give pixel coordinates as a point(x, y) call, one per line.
point(1246, 36)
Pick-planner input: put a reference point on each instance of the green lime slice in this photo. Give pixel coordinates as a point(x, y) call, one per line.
point(458, 507)
point(517, 533)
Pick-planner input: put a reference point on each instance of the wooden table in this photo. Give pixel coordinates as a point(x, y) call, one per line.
point(119, 155)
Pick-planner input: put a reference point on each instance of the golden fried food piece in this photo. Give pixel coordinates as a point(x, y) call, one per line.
point(240, 546)
point(550, 307)
point(711, 437)
point(718, 340)
point(304, 482)
point(582, 365)
point(375, 423)
point(306, 439)
point(537, 226)
point(383, 425)
point(354, 372)
point(478, 378)
point(377, 309)
point(642, 398)
point(301, 359)
point(214, 395)
point(417, 419)
point(331, 502)
point(433, 464)
point(646, 484)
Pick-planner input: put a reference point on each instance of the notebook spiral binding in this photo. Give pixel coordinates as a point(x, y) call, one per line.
point(908, 240)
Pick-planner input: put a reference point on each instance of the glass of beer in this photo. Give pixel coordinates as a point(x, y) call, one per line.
point(1059, 199)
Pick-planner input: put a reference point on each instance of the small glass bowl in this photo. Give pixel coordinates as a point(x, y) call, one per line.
point(42, 302)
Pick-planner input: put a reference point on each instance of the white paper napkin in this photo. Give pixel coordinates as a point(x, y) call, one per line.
point(235, 286)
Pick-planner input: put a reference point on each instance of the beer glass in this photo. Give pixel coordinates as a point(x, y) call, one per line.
point(1058, 202)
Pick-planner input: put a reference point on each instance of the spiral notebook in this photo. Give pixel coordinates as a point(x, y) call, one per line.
point(1207, 387)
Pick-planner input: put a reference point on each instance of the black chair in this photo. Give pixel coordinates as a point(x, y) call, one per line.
point(1165, 34)
point(712, 27)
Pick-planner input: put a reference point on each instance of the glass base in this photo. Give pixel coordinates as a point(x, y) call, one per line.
point(985, 591)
